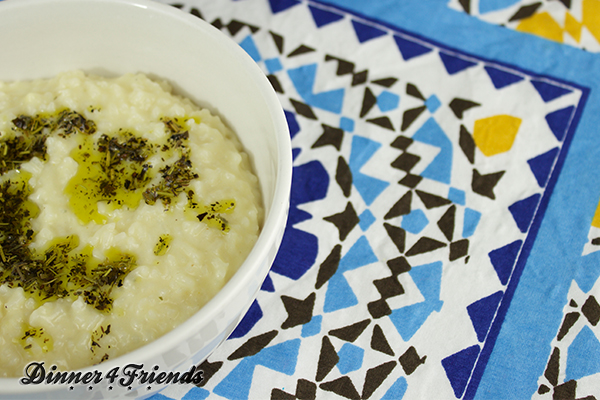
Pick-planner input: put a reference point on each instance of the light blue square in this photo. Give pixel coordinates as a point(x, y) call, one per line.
point(273, 65)
point(414, 222)
point(456, 196)
point(433, 103)
point(347, 124)
point(388, 101)
point(313, 327)
point(366, 220)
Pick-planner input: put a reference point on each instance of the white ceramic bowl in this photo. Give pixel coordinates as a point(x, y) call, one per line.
point(40, 38)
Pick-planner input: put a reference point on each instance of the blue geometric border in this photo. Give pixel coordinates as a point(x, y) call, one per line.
point(496, 326)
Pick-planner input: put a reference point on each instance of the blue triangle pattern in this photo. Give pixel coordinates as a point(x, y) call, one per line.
point(267, 285)
point(397, 390)
point(524, 210)
point(368, 187)
point(253, 315)
point(160, 396)
point(558, 121)
point(323, 17)
point(339, 294)
point(583, 356)
point(362, 151)
point(541, 166)
point(458, 368)
point(303, 79)
point(501, 78)
point(440, 168)
point(292, 122)
point(503, 259)
point(351, 358)
point(250, 47)
point(455, 64)
point(428, 279)
point(282, 5)
point(408, 320)
point(295, 152)
point(549, 91)
point(281, 357)
point(236, 385)
point(359, 255)
point(409, 49)
point(195, 393)
point(365, 32)
point(482, 313)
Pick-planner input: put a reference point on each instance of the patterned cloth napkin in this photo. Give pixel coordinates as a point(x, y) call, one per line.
point(442, 230)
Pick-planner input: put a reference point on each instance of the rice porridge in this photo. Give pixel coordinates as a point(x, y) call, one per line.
point(123, 210)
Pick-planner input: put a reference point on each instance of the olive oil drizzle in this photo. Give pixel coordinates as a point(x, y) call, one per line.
point(113, 169)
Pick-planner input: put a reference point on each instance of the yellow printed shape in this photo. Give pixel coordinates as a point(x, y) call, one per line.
point(596, 219)
point(543, 25)
point(590, 11)
point(495, 135)
point(573, 27)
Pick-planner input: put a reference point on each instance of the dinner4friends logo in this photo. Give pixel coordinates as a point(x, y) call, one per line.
point(129, 376)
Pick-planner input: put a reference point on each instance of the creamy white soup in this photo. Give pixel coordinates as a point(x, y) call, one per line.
point(123, 209)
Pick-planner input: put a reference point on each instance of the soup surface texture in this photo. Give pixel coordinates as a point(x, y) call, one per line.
point(123, 209)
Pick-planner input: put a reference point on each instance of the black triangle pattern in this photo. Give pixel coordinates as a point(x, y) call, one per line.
point(379, 342)
point(410, 116)
point(195, 12)
point(369, 100)
point(525, 12)
point(413, 91)
point(343, 176)
point(351, 332)
point(385, 82)
point(467, 144)
point(275, 83)
point(303, 109)
point(342, 386)
point(302, 49)
point(375, 377)
point(253, 345)
point(278, 40)
point(328, 267)
point(328, 358)
point(383, 122)
point(397, 235)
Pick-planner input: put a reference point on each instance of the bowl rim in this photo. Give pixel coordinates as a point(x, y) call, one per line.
point(274, 221)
